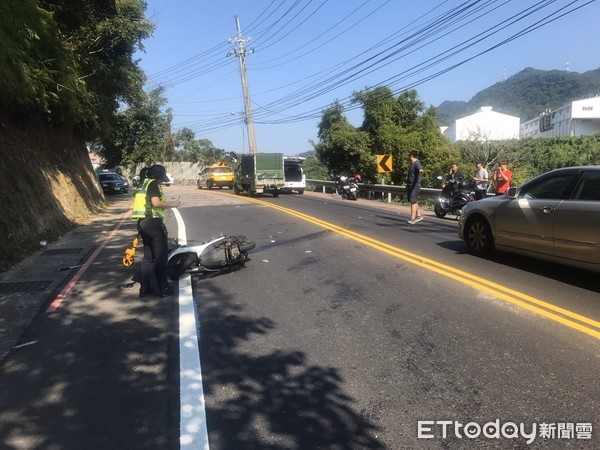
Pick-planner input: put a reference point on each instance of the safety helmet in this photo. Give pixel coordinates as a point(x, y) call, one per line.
point(343, 178)
point(159, 173)
point(357, 178)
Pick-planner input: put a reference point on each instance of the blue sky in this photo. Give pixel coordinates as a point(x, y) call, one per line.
point(308, 53)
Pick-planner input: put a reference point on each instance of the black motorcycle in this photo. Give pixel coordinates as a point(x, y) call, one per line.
point(453, 198)
point(346, 188)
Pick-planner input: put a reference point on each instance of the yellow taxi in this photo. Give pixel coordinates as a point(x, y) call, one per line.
point(217, 175)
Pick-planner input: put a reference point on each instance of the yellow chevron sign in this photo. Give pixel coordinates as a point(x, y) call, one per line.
point(384, 163)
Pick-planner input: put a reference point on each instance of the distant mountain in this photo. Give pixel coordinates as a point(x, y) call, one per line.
point(526, 94)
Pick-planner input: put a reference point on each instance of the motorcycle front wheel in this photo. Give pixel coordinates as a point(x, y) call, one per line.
point(439, 211)
point(246, 245)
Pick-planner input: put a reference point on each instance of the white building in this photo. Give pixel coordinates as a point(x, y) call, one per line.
point(578, 118)
point(484, 125)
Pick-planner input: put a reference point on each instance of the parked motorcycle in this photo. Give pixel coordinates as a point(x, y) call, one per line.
point(452, 199)
point(216, 254)
point(346, 188)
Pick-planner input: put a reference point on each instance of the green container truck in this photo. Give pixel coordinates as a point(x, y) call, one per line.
point(259, 173)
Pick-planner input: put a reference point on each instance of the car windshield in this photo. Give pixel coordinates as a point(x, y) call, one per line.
point(109, 177)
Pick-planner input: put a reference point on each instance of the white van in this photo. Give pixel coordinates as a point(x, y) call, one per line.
point(295, 180)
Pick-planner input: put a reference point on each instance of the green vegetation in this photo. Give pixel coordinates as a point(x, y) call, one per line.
point(188, 148)
point(397, 125)
point(393, 125)
point(526, 94)
point(530, 157)
point(69, 62)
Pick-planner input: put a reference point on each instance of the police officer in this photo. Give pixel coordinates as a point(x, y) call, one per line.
point(149, 209)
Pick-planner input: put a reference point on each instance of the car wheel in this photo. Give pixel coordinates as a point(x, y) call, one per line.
point(209, 185)
point(236, 190)
point(478, 237)
point(300, 191)
point(439, 211)
point(199, 184)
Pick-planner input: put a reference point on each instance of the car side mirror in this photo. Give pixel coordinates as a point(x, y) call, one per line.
point(512, 192)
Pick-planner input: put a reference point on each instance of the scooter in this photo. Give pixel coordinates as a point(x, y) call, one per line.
point(453, 198)
point(346, 188)
point(214, 255)
point(223, 252)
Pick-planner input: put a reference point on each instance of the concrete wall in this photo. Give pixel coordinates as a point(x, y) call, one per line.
point(183, 172)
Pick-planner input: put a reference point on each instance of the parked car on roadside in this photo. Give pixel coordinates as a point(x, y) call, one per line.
point(113, 183)
point(555, 216)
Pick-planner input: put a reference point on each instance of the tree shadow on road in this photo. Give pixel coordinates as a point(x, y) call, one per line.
point(272, 400)
point(95, 374)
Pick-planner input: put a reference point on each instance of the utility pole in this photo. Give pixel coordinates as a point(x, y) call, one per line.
point(241, 53)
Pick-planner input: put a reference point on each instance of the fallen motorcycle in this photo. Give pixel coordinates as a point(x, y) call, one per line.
point(216, 254)
point(223, 252)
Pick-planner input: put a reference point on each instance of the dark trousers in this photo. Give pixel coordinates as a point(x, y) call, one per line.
point(154, 263)
point(480, 193)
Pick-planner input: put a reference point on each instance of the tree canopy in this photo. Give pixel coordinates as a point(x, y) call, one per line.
point(197, 150)
point(70, 61)
point(391, 125)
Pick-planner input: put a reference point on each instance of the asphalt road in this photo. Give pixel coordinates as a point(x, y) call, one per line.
point(322, 341)
point(346, 328)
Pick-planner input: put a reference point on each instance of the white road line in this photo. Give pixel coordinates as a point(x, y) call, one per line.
point(193, 433)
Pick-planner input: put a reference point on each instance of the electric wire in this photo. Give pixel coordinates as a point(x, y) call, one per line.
point(284, 103)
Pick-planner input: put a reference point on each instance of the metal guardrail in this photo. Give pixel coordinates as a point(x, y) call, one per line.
point(370, 189)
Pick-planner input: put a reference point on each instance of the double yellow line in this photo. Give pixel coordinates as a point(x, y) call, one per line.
point(548, 310)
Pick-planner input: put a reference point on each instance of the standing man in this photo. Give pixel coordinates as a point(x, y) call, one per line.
point(481, 181)
point(502, 177)
point(149, 210)
point(413, 186)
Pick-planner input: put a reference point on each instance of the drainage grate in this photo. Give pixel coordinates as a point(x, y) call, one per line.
point(29, 286)
point(62, 251)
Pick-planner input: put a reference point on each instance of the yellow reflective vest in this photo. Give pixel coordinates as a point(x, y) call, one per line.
point(142, 204)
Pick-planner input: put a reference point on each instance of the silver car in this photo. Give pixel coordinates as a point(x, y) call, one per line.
point(555, 216)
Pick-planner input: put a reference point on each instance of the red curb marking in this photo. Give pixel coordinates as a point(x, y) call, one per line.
point(65, 291)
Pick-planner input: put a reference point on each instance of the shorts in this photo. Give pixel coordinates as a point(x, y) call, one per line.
point(413, 194)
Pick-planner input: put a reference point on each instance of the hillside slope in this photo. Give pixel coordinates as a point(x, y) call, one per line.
point(47, 186)
point(526, 94)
